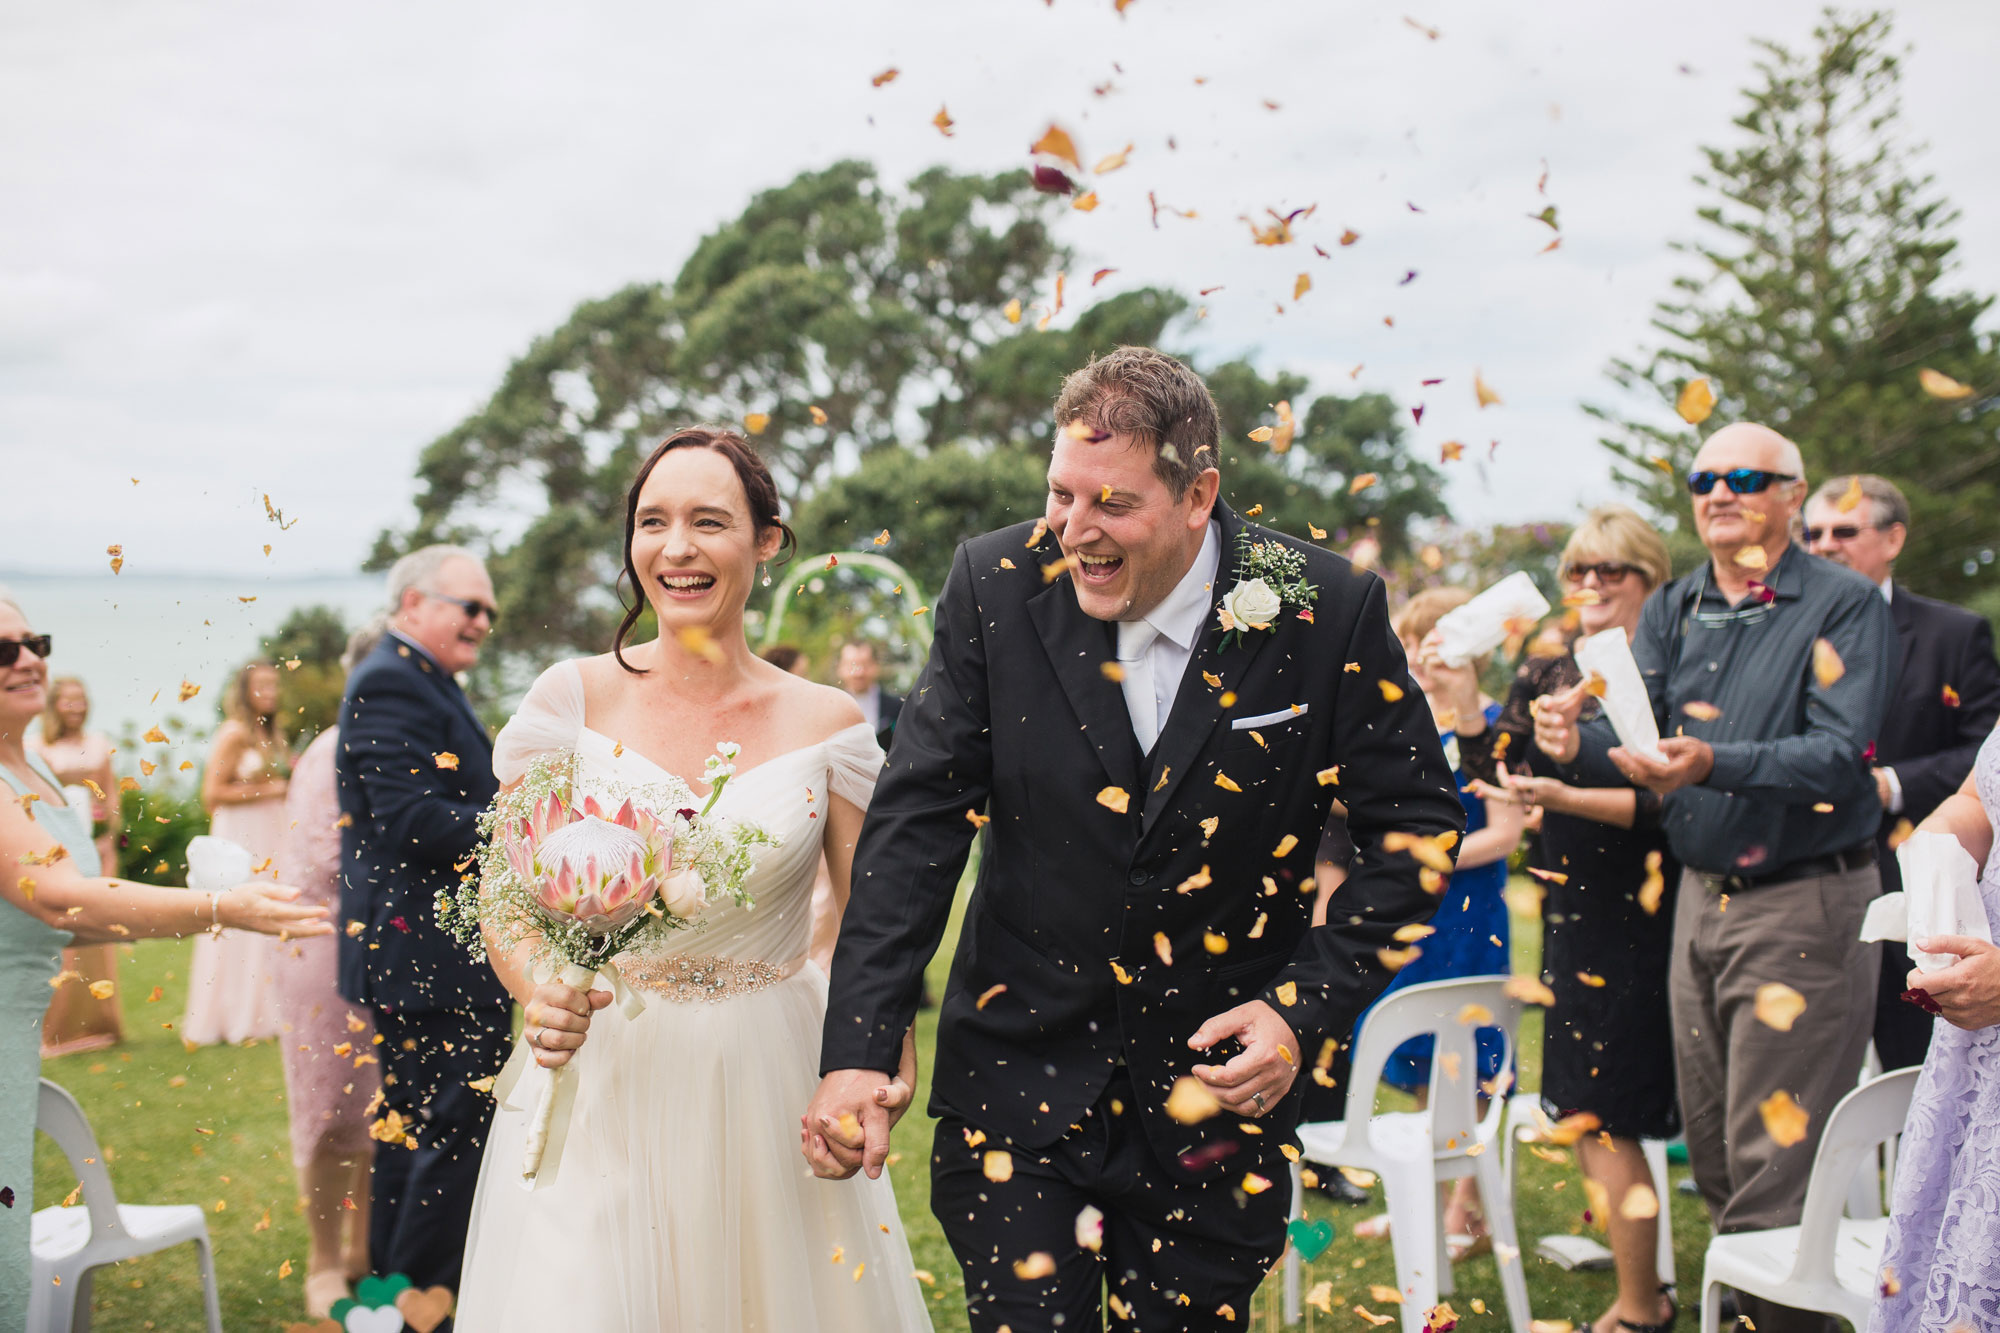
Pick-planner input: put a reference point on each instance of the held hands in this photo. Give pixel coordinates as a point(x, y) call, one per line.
point(846, 1129)
point(1968, 992)
point(271, 909)
point(1689, 761)
point(1256, 1079)
point(557, 1019)
point(1523, 789)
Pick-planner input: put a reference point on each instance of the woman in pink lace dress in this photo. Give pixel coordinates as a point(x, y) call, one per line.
point(331, 1073)
point(231, 995)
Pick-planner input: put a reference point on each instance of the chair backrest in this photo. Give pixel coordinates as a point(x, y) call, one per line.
point(1861, 1121)
point(1450, 1012)
point(58, 1116)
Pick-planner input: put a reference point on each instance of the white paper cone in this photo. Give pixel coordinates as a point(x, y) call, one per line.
point(1888, 919)
point(1626, 704)
point(216, 865)
point(1940, 894)
point(1480, 625)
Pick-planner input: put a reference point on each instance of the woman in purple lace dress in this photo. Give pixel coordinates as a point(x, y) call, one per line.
point(1941, 1269)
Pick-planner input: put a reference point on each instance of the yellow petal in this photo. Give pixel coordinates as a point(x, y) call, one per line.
point(1040, 1264)
point(755, 422)
point(1940, 385)
point(998, 1166)
point(1696, 401)
point(1784, 1119)
point(1222, 780)
point(1085, 202)
point(1529, 989)
point(1113, 162)
point(1391, 691)
point(1301, 285)
point(1778, 1005)
point(1013, 313)
point(1483, 391)
point(1190, 1102)
point(1115, 798)
point(1055, 141)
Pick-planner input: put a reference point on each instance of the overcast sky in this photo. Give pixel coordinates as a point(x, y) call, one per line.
point(252, 248)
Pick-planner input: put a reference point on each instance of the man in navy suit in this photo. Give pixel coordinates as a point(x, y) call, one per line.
point(1947, 700)
point(415, 770)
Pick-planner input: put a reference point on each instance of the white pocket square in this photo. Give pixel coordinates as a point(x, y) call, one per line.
point(1267, 719)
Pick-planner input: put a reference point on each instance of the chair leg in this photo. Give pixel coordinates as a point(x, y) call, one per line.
point(1656, 1160)
point(211, 1299)
point(79, 1318)
point(59, 1303)
point(1711, 1307)
point(1447, 1276)
point(1412, 1194)
point(1498, 1198)
point(1292, 1260)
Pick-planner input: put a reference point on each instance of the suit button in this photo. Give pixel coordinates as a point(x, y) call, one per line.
point(1140, 876)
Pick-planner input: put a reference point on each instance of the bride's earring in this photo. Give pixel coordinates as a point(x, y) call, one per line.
point(765, 570)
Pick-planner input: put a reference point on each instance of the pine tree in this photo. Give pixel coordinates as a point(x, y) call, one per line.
point(1818, 305)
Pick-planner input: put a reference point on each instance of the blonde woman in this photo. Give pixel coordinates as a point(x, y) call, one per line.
point(81, 760)
point(232, 995)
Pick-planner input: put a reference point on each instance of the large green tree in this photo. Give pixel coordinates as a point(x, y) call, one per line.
point(1818, 292)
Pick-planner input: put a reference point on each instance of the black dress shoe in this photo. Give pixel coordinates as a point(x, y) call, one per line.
point(1340, 1189)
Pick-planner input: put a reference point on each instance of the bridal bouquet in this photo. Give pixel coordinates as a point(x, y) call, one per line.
point(584, 876)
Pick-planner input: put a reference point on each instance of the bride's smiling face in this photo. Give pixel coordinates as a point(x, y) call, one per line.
point(694, 543)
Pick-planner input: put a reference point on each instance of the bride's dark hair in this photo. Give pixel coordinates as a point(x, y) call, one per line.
point(758, 486)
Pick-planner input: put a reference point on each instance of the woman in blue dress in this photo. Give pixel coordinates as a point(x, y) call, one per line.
point(52, 894)
point(1470, 934)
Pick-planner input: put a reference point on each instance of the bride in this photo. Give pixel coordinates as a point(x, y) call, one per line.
point(680, 1204)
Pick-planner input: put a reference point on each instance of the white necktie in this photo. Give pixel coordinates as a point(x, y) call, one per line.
point(1135, 655)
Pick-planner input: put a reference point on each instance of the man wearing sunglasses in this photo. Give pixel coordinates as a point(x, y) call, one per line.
point(1771, 808)
point(1947, 700)
point(415, 769)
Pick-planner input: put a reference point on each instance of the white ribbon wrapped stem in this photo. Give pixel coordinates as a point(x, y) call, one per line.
point(548, 1122)
point(1627, 706)
point(1481, 624)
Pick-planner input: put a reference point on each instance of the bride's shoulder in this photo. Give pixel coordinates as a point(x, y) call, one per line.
point(816, 711)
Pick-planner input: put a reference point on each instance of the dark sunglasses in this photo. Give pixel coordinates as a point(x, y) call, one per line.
point(1740, 480)
point(1840, 532)
point(1608, 574)
point(471, 607)
point(38, 644)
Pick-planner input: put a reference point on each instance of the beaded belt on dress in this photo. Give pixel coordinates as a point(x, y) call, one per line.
point(685, 978)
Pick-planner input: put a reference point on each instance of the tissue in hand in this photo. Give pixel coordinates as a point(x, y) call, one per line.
point(1940, 897)
point(216, 865)
point(1480, 625)
point(1627, 706)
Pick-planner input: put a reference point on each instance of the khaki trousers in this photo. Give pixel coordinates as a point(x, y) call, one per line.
point(1804, 933)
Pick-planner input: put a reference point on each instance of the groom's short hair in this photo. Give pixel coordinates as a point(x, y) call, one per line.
point(1154, 400)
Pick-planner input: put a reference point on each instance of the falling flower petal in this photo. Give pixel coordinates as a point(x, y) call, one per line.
point(1085, 202)
point(1827, 666)
point(1697, 400)
point(1483, 391)
point(886, 76)
point(1115, 798)
point(818, 414)
point(943, 121)
point(1529, 989)
point(1784, 1119)
point(1939, 385)
point(1109, 164)
point(1040, 1264)
point(1190, 1102)
point(1778, 1005)
point(998, 1166)
point(1301, 285)
point(1101, 274)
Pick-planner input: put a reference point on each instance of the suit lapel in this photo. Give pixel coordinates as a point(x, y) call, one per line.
point(1905, 616)
point(1198, 705)
point(1078, 647)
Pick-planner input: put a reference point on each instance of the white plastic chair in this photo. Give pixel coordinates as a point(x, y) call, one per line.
point(68, 1243)
point(1524, 1125)
point(1417, 1154)
point(1826, 1263)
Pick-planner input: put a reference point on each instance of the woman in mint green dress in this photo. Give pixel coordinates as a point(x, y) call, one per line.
point(52, 892)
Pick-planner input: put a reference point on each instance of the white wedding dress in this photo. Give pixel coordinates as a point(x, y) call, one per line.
point(682, 1203)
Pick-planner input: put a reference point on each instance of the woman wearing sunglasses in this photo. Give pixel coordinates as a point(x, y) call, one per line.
point(51, 894)
point(1607, 1049)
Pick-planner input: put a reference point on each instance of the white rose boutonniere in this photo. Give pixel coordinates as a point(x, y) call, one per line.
point(1270, 576)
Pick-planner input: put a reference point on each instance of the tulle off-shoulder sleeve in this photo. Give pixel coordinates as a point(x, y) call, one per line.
point(548, 720)
point(854, 762)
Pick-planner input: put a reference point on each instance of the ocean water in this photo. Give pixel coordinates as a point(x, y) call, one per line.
point(135, 638)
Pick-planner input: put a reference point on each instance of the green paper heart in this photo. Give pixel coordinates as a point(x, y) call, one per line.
point(1310, 1239)
point(376, 1292)
point(338, 1314)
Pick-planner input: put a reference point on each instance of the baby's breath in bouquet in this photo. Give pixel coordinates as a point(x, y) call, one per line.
point(585, 875)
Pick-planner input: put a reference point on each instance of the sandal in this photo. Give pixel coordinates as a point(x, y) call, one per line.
point(325, 1289)
point(1673, 1314)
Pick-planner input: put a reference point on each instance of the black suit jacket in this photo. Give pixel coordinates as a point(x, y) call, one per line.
point(888, 707)
point(1930, 743)
point(410, 826)
point(1094, 934)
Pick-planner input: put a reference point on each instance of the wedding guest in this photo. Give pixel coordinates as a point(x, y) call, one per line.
point(332, 1070)
point(1471, 931)
point(80, 758)
point(232, 979)
point(1947, 700)
point(415, 769)
point(1607, 912)
point(1769, 672)
point(860, 674)
point(1941, 1263)
point(789, 657)
point(52, 892)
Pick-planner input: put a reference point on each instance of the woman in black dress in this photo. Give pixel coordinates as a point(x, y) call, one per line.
point(1607, 914)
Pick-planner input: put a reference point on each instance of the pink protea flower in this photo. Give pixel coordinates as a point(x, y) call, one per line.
point(599, 869)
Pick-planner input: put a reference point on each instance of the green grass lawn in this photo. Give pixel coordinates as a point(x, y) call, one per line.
point(209, 1127)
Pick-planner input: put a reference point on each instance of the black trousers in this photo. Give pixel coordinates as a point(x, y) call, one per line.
point(423, 1195)
point(1902, 1031)
point(1174, 1255)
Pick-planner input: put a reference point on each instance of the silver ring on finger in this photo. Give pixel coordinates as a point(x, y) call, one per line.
point(1258, 1098)
point(541, 1038)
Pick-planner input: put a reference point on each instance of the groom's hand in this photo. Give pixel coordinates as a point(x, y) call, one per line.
point(1265, 1069)
point(847, 1126)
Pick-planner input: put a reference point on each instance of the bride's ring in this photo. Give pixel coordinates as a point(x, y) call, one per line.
point(539, 1034)
point(1258, 1098)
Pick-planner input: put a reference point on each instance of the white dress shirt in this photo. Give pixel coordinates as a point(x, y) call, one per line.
point(1154, 650)
point(871, 706)
point(1889, 774)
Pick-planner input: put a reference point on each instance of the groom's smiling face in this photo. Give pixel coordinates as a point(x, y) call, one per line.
point(1130, 538)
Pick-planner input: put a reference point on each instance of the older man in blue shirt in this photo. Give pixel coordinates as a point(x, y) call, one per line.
point(1770, 672)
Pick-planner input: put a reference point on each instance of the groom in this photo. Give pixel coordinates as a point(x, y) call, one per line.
point(1137, 985)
